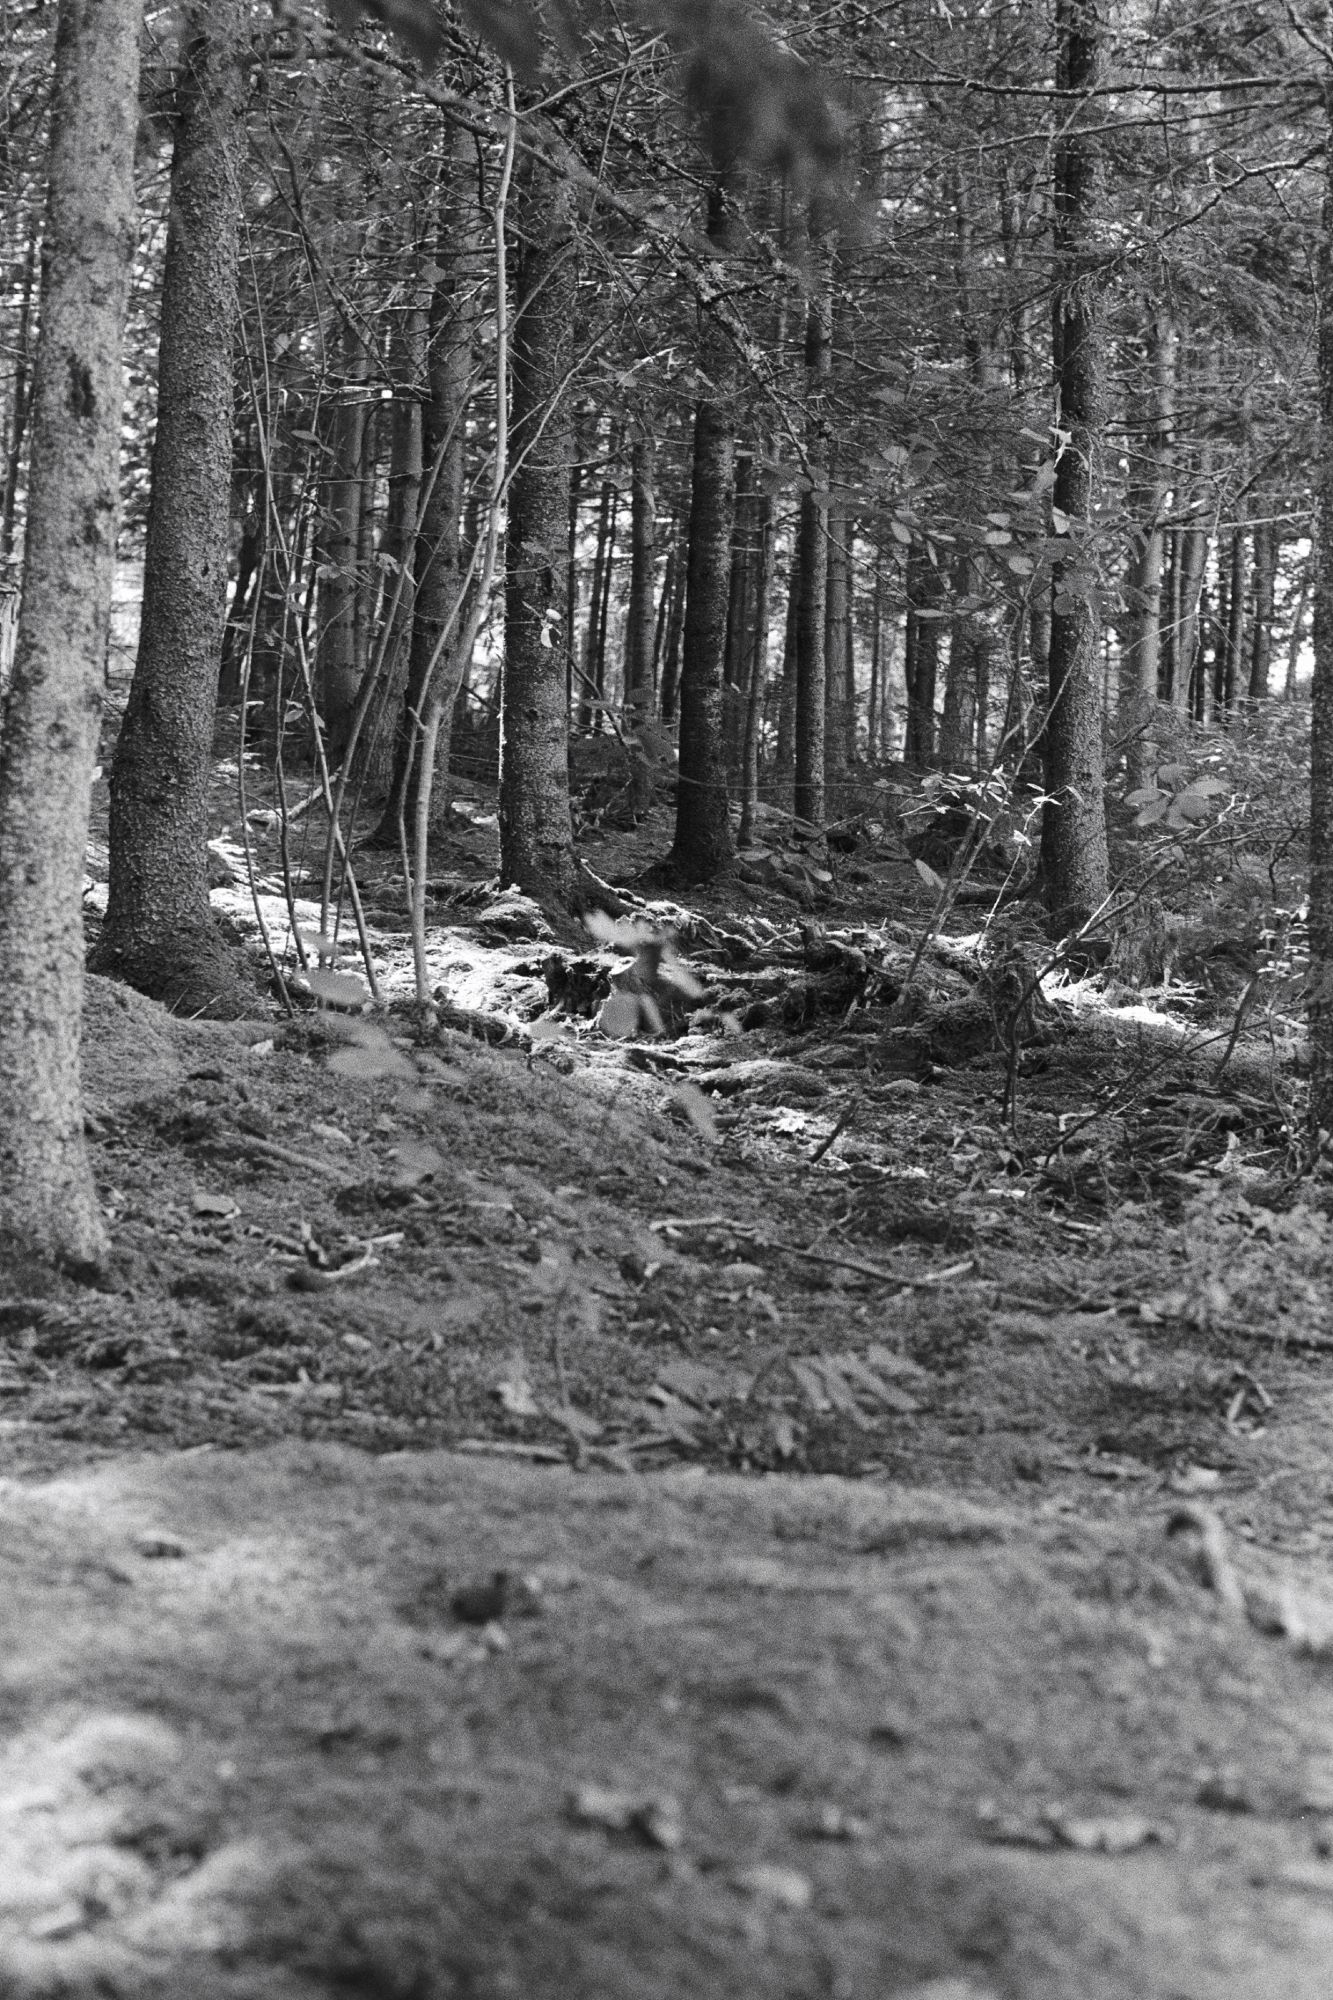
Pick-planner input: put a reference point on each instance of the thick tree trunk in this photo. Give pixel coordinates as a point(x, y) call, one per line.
point(1073, 841)
point(703, 845)
point(159, 933)
point(52, 710)
point(536, 832)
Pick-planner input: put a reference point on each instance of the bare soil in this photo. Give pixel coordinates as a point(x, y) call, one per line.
point(646, 1516)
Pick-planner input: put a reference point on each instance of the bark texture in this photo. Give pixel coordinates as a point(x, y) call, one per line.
point(1320, 1003)
point(159, 933)
point(48, 733)
point(1073, 841)
point(536, 831)
point(703, 844)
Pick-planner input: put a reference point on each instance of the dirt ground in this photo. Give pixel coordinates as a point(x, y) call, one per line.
point(576, 1514)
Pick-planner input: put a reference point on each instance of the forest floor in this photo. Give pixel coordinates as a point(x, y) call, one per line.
point(573, 1514)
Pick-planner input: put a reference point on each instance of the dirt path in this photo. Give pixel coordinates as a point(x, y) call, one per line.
point(753, 1736)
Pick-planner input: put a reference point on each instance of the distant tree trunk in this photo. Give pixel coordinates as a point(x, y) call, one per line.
point(1297, 638)
point(1141, 655)
point(925, 593)
point(338, 546)
point(837, 633)
point(811, 556)
point(763, 584)
point(159, 934)
point(1320, 1005)
point(675, 629)
point(737, 655)
point(1073, 841)
point(536, 832)
point(1265, 580)
point(1234, 629)
point(786, 750)
point(589, 682)
point(642, 559)
point(377, 744)
point(52, 710)
point(1168, 665)
point(703, 845)
point(438, 548)
point(960, 678)
point(21, 398)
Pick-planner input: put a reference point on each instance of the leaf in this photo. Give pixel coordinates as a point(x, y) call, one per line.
point(690, 1100)
point(547, 1030)
point(1020, 565)
point(618, 1016)
point(213, 1204)
point(514, 1394)
point(338, 989)
point(369, 1054)
point(811, 1383)
point(1059, 520)
point(1145, 795)
point(319, 944)
point(998, 538)
point(416, 1161)
point(934, 882)
point(900, 531)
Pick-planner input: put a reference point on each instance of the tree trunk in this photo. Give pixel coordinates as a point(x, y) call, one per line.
point(52, 710)
point(338, 547)
point(642, 558)
point(377, 743)
point(1141, 656)
point(589, 681)
point(1234, 629)
point(536, 832)
point(763, 583)
point(735, 685)
point(1073, 840)
point(21, 398)
point(838, 718)
point(675, 628)
point(960, 678)
point(438, 553)
point(1265, 579)
point(1193, 543)
point(1320, 1004)
point(925, 592)
point(811, 560)
point(1297, 638)
point(703, 845)
point(159, 933)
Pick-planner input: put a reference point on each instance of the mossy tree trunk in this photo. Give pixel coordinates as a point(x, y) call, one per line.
point(159, 933)
point(52, 711)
